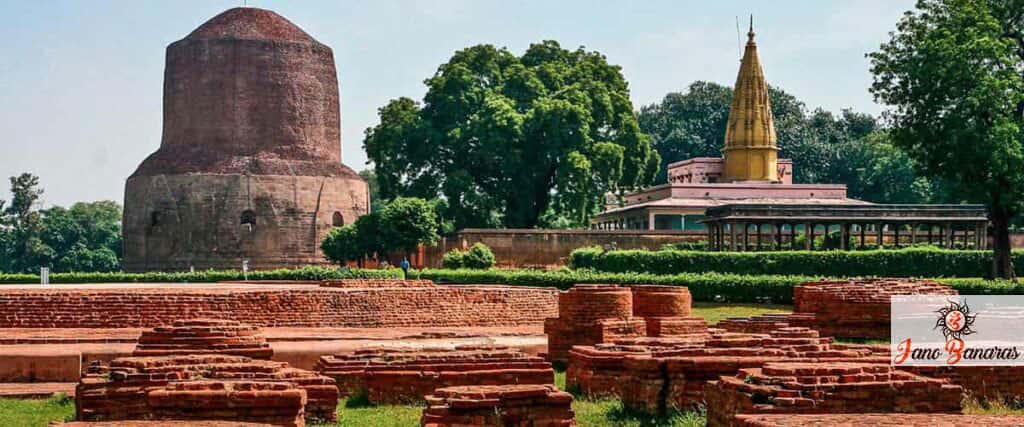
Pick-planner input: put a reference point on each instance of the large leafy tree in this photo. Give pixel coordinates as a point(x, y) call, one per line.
point(86, 237)
point(953, 75)
point(506, 139)
point(691, 124)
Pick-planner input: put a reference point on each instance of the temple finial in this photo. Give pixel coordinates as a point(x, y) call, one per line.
point(750, 33)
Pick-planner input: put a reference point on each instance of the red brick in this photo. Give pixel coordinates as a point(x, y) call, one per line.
point(505, 405)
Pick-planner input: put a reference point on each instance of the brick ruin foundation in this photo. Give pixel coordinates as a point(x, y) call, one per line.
point(507, 405)
point(593, 314)
point(676, 377)
point(403, 376)
point(826, 388)
point(878, 420)
point(204, 370)
point(853, 308)
point(204, 336)
point(124, 389)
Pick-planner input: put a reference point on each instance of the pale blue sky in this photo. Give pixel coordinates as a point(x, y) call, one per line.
point(81, 81)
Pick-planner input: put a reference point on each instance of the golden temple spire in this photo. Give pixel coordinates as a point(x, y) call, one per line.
point(751, 153)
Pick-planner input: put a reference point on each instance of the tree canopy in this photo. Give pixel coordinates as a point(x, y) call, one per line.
point(84, 238)
point(518, 141)
point(953, 75)
point(849, 148)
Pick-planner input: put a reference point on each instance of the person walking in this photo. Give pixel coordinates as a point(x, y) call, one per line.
point(405, 268)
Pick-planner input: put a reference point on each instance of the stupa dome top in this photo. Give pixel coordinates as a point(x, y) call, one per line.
point(250, 23)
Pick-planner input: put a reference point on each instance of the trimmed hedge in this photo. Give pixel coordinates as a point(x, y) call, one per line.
point(708, 287)
point(306, 273)
point(911, 262)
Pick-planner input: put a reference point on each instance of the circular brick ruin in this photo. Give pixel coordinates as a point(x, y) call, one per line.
point(589, 303)
point(661, 301)
point(506, 405)
point(204, 336)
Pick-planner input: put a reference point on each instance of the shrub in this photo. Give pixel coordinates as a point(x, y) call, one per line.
point(705, 287)
point(306, 273)
point(910, 262)
point(479, 256)
point(453, 259)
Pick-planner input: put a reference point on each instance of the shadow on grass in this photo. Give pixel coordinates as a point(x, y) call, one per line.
point(619, 414)
point(359, 399)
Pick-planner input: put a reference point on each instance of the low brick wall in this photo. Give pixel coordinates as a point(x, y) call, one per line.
point(280, 306)
point(878, 420)
point(826, 388)
point(508, 405)
point(404, 376)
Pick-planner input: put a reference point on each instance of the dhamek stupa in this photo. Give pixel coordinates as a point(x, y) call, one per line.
point(249, 165)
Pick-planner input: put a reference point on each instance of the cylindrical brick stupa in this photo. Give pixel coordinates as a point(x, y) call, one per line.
point(249, 166)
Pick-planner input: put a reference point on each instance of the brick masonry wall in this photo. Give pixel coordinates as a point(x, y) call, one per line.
point(507, 405)
point(529, 247)
point(444, 306)
point(406, 375)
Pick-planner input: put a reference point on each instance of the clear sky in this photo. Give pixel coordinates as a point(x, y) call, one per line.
point(81, 80)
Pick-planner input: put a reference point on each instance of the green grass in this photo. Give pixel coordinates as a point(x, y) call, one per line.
point(714, 312)
point(33, 412)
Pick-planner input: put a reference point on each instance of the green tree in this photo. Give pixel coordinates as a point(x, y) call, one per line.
point(370, 177)
point(406, 222)
point(953, 75)
point(506, 139)
point(882, 173)
point(24, 250)
point(342, 245)
point(85, 238)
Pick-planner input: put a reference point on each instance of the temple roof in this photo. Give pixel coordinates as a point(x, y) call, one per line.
point(750, 115)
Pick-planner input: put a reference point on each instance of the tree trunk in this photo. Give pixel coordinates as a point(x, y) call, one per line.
point(1002, 259)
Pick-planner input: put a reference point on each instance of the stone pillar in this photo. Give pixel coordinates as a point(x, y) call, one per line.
point(711, 235)
point(777, 231)
point(880, 235)
point(792, 237)
point(650, 221)
point(759, 236)
point(809, 236)
point(913, 233)
point(844, 236)
point(746, 236)
point(949, 235)
point(896, 235)
point(732, 236)
point(863, 241)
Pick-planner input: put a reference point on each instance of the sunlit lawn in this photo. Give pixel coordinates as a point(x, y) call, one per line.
point(714, 312)
point(41, 412)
